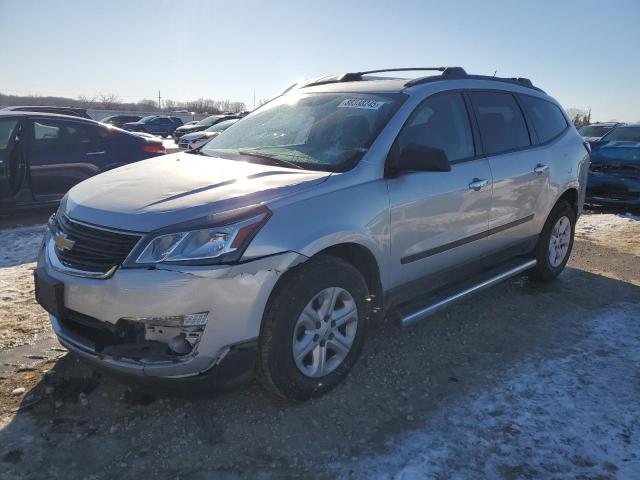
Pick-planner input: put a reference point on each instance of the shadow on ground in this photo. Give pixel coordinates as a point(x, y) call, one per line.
point(74, 423)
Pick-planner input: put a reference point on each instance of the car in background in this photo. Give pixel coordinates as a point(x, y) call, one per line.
point(43, 155)
point(193, 141)
point(614, 174)
point(596, 131)
point(73, 111)
point(161, 125)
point(120, 120)
point(201, 125)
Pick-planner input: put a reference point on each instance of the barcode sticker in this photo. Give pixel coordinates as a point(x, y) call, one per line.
point(360, 103)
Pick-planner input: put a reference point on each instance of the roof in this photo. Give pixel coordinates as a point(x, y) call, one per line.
point(21, 113)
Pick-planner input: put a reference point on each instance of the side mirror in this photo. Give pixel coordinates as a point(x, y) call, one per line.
point(420, 158)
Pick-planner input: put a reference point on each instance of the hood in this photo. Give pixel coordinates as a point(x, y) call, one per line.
point(626, 152)
point(172, 189)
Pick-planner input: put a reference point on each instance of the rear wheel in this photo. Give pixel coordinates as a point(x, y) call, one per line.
point(555, 242)
point(314, 328)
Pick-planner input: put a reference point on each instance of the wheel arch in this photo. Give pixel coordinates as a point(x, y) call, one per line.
point(364, 260)
point(571, 196)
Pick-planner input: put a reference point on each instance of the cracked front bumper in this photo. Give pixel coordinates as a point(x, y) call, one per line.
point(234, 295)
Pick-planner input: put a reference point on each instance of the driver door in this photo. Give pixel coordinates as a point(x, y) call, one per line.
point(439, 220)
point(12, 164)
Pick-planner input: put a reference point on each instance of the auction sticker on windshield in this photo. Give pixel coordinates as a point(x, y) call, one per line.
point(360, 103)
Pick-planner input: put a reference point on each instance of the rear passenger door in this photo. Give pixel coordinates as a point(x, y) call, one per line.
point(519, 180)
point(439, 219)
point(61, 154)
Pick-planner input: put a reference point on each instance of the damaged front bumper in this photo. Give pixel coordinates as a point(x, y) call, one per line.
point(119, 323)
point(613, 189)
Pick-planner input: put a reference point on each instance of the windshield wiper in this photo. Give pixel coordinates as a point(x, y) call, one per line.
point(274, 160)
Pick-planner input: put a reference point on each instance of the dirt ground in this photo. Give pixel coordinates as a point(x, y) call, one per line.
point(525, 380)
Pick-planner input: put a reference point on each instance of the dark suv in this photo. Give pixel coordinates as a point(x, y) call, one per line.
point(74, 112)
point(155, 124)
point(43, 155)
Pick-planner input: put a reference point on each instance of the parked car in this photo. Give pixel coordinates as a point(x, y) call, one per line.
point(201, 125)
point(161, 125)
point(342, 202)
point(596, 131)
point(73, 111)
point(614, 175)
point(192, 141)
point(43, 155)
point(120, 120)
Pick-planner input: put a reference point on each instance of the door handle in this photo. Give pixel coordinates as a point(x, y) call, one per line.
point(102, 152)
point(478, 183)
point(540, 169)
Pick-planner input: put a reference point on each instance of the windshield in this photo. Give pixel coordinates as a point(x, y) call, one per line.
point(218, 127)
point(623, 134)
point(317, 131)
point(594, 130)
point(146, 119)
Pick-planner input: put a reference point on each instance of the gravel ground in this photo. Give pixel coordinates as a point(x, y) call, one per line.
point(524, 380)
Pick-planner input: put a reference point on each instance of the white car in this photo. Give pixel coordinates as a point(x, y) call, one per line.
point(191, 141)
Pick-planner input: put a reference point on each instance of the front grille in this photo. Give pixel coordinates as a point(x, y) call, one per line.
point(94, 250)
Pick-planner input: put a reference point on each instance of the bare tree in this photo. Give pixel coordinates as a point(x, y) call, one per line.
point(147, 104)
point(109, 100)
point(87, 101)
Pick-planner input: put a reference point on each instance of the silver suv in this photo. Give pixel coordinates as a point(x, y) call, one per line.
point(342, 201)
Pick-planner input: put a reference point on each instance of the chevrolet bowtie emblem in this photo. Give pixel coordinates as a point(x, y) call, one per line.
point(63, 243)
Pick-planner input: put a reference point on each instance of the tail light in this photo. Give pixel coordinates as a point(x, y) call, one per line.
point(154, 148)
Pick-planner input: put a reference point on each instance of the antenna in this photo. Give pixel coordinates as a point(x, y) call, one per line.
point(494, 72)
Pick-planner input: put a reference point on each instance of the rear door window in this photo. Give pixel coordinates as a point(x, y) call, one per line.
point(441, 122)
point(56, 132)
point(548, 121)
point(500, 120)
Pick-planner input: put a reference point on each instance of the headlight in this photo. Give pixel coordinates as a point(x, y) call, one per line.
point(214, 244)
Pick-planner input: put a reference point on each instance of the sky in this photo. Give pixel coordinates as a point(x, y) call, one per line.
point(584, 53)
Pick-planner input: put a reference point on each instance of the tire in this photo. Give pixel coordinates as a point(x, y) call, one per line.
point(546, 268)
point(283, 334)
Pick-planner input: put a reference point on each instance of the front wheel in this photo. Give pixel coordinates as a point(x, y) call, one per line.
point(555, 242)
point(314, 328)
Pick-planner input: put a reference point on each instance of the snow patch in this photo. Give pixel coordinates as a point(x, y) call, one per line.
point(569, 415)
point(605, 221)
point(20, 245)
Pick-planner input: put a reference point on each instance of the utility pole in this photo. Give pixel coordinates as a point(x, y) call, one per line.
point(159, 104)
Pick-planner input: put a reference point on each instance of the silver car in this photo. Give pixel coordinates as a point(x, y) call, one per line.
point(346, 200)
point(193, 141)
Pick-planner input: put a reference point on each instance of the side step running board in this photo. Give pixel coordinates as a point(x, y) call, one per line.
point(410, 318)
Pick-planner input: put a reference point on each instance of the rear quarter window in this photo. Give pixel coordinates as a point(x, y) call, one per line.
point(500, 120)
point(548, 121)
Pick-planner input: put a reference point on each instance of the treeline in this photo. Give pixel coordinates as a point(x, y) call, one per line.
point(111, 101)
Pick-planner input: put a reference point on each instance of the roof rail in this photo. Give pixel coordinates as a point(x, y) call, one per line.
point(357, 76)
point(454, 72)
